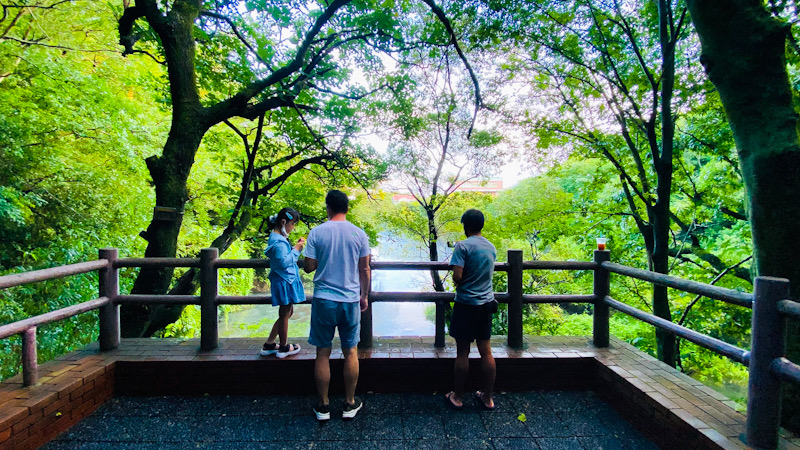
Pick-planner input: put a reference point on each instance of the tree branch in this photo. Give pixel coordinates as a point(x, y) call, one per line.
point(126, 37)
point(454, 41)
point(237, 104)
point(236, 31)
point(714, 281)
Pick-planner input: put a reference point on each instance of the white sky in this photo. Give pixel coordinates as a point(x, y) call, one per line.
point(512, 172)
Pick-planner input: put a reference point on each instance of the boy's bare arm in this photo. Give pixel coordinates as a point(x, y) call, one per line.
point(458, 274)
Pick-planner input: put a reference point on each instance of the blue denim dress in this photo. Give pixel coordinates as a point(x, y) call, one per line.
point(284, 276)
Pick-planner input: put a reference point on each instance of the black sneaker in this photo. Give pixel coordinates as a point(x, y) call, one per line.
point(269, 349)
point(350, 410)
point(289, 350)
point(323, 412)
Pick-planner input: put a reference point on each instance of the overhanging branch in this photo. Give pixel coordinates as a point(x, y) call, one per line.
point(454, 41)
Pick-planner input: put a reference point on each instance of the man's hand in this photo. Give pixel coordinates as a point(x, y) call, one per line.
point(364, 304)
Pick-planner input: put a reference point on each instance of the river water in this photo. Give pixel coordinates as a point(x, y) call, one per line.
point(388, 319)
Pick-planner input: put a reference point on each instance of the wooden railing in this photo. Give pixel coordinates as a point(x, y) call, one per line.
point(770, 303)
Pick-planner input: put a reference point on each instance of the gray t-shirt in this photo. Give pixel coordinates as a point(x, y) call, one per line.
point(477, 256)
point(337, 246)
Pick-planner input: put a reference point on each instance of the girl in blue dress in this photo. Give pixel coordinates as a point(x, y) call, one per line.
point(284, 279)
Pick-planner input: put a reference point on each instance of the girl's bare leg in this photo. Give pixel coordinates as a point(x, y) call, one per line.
point(284, 312)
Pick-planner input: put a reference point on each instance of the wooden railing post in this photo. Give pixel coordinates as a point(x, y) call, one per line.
point(109, 314)
point(515, 298)
point(441, 307)
point(767, 343)
point(30, 365)
point(600, 333)
point(209, 321)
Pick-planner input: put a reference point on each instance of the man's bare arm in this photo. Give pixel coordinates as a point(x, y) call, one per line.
point(364, 277)
point(310, 265)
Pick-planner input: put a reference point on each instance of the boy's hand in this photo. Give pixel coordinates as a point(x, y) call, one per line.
point(364, 304)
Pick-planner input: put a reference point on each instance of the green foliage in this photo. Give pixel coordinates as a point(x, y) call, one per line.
point(73, 133)
point(557, 215)
point(75, 127)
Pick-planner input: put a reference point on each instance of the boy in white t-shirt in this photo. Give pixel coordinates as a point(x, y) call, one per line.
point(339, 252)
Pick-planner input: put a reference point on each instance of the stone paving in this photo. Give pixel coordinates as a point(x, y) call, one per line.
point(553, 420)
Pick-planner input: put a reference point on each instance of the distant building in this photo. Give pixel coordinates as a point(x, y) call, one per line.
point(492, 186)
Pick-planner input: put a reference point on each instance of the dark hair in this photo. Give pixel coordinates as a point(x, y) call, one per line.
point(337, 201)
point(287, 214)
point(472, 220)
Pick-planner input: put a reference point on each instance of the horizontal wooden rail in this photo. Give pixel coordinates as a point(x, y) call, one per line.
point(139, 299)
point(559, 265)
point(789, 308)
point(16, 279)
point(398, 297)
point(726, 295)
point(537, 299)
point(733, 352)
point(52, 316)
point(252, 300)
point(424, 297)
point(246, 263)
point(423, 265)
point(157, 262)
point(786, 370)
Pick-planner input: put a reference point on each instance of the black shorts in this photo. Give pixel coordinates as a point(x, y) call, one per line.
point(471, 322)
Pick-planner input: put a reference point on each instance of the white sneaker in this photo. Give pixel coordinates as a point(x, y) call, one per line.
point(289, 350)
point(349, 411)
point(323, 412)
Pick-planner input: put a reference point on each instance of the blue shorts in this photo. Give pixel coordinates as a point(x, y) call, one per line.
point(327, 315)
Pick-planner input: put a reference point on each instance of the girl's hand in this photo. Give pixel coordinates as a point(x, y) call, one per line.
point(300, 244)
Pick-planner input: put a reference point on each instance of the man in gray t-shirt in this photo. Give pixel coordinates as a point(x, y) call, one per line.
point(473, 265)
point(339, 252)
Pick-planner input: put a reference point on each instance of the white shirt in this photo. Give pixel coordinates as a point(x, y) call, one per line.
point(337, 247)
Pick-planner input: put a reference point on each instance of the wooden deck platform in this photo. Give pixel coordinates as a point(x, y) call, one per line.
point(670, 408)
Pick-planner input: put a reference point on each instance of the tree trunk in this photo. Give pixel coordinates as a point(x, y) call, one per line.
point(169, 177)
point(170, 171)
point(162, 315)
point(433, 250)
point(663, 168)
point(744, 55)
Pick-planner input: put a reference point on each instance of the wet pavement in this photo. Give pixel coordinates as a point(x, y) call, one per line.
point(522, 420)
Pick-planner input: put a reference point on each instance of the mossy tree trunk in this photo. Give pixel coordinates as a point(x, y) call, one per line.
point(170, 171)
point(744, 55)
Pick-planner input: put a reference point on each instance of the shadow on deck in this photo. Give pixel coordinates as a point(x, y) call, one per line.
point(667, 407)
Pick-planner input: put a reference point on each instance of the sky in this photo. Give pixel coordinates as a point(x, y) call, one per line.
point(512, 172)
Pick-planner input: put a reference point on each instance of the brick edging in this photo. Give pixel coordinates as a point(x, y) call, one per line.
point(71, 390)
